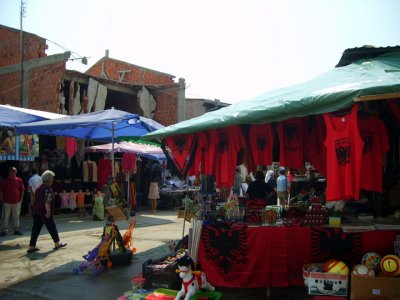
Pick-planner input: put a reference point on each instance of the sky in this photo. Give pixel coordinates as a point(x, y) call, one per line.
point(229, 50)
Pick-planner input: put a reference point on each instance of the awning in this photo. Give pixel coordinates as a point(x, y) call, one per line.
point(328, 92)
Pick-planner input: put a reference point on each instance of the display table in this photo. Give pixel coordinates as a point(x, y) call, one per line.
point(252, 257)
point(172, 198)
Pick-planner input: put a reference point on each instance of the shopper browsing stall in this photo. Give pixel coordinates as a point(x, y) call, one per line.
point(282, 187)
point(259, 189)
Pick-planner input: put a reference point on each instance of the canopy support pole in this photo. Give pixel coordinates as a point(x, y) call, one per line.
point(112, 148)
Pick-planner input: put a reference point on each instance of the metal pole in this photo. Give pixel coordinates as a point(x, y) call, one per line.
point(21, 53)
point(112, 148)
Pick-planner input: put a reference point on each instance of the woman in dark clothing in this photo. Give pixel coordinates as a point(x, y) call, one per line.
point(259, 189)
point(43, 213)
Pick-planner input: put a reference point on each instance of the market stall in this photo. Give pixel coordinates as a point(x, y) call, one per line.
point(339, 149)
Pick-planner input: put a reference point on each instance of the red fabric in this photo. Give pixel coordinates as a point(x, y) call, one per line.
point(291, 138)
point(70, 146)
point(261, 142)
point(314, 149)
point(229, 142)
point(181, 149)
point(376, 144)
point(344, 153)
point(12, 189)
point(128, 162)
point(276, 254)
point(104, 170)
point(90, 171)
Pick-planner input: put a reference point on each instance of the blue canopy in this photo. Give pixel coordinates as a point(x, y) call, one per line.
point(105, 125)
point(11, 116)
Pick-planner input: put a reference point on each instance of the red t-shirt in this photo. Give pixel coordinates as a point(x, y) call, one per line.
point(261, 142)
point(12, 189)
point(314, 137)
point(291, 139)
point(229, 142)
point(376, 144)
point(344, 153)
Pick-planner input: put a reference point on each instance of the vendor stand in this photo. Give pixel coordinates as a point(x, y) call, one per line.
point(270, 250)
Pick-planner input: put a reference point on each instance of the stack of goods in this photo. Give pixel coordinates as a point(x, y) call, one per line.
point(161, 273)
point(253, 211)
point(317, 214)
point(327, 279)
point(376, 275)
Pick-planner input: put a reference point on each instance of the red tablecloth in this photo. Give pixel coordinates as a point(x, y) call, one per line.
point(241, 256)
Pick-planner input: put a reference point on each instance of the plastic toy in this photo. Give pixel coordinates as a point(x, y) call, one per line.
point(192, 281)
point(102, 255)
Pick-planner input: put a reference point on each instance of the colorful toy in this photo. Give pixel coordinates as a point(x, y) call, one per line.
point(363, 271)
point(390, 265)
point(101, 256)
point(192, 280)
point(336, 266)
point(372, 260)
point(98, 257)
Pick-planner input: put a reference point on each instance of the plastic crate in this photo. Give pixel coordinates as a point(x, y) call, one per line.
point(160, 275)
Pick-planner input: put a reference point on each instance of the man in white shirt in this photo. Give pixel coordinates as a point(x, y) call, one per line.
point(34, 182)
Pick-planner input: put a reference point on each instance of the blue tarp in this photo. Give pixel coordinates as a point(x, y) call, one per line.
point(11, 116)
point(104, 125)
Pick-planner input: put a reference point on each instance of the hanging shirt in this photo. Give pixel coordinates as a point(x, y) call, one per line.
point(261, 139)
point(344, 153)
point(291, 138)
point(104, 170)
point(71, 146)
point(229, 142)
point(89, 171)
point(128, 162)
point(314, 149)
point(376, 144)
point(181, 149)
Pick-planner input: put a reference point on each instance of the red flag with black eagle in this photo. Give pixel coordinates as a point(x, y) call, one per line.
point(181, 150)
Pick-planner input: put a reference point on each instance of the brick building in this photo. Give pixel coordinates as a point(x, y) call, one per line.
point(48, 85)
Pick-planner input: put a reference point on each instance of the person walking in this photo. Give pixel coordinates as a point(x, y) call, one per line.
point(11, 194)
point(282, 187)
point(155, 178)
point(33, 183)
point(43, 208)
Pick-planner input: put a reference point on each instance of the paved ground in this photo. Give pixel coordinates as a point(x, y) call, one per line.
point(47, 274)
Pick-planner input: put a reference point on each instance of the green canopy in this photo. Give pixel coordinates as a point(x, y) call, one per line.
point(328, 92)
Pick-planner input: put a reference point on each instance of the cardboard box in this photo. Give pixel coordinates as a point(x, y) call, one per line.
point(382, 288)
point(324, 284)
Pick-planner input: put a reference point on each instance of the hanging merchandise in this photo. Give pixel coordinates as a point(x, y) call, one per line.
point(229, 142)
point(180, 148)
point(261, 139)
point(314, 149)
point(376, 144)
point(344, 153)
point(291, 139)
point(70, 146)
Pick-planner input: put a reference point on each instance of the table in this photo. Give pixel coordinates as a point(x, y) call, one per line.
point(252, 257)
point(172, 198)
